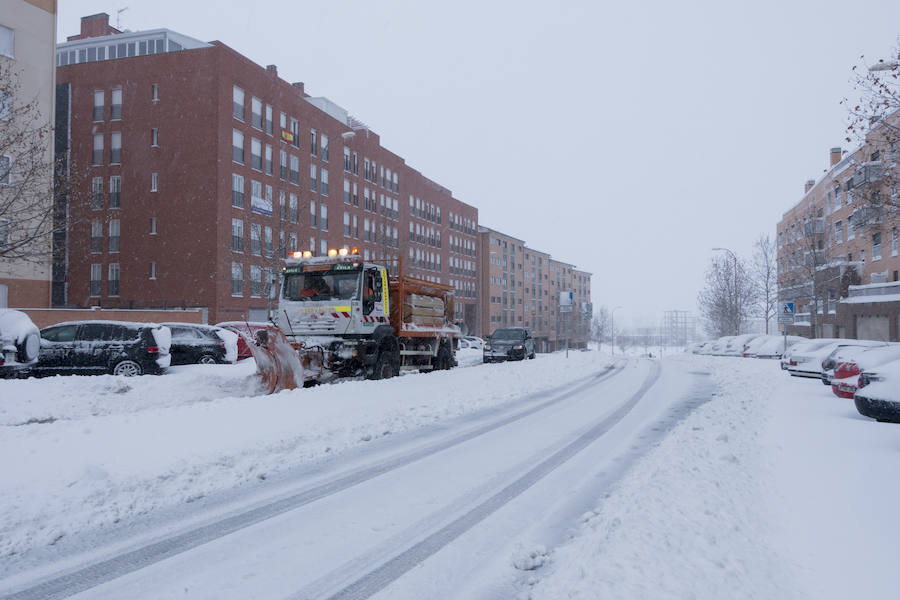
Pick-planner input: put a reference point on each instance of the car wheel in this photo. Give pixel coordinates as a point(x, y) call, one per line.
point(28, 350)
point(207, 359)
point(530, 356)
point(127, 368)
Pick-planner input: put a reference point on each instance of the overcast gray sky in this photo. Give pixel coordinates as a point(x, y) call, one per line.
point(636, 136)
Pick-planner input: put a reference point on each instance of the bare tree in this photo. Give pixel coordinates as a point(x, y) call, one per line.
point(726, 300)
point(26, 173)
point(602, 325)
point(874, 124)
point(765, 278)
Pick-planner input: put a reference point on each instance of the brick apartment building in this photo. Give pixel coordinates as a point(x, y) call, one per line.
point(27, 41)
point(838, 256)
point(203, 169)
point(520, 288)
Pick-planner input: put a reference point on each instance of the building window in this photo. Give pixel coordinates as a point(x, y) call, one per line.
point(355, 227)
point(97, 158)
point(115, 191)
point(237, 103)
point(255, 281)
point(237, 190)
point(154, 182)
point(237, 235)
point(346, 159)
point(237, 146)
point(295, 170)
point(97, 193)
point(313, 181)
point(98, 105)
point(255, 239)
point(154, 92)
point(283, 168)
point(7, 42)
point(115, 106)
point(113, 279)
point(96, 236)
point(152, 225)
point(838, 232)
point(894, 242)
point(323, 216)
point(851, 230)
point(269, 169)
point(96, 271)
point(114, 235)
point(154, 137)
point(115, 148)
point(292, 242)
point(237, 279)
point(269, 124)
point(282, 205)
point(256, 113)
point(256, 198)
point(293, 209)
point(152, 270)
point(324, 143)
point(267, 240)
point(255, 154)
point(313, 145)
point(346, 224)
point(346, 191)
point(5, 169)
point(312, 214)
point(876, 246)
point(324, 182)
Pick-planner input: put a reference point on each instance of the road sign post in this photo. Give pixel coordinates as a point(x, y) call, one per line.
point(786, 317)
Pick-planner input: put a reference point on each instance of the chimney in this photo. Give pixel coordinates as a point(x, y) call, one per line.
point(272, 69)
point(835, 156)
point(299, 86)
point(809, 185)
point(94, 26)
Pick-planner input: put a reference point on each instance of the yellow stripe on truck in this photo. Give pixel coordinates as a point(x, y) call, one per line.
point(384, 291)
point(341, 309)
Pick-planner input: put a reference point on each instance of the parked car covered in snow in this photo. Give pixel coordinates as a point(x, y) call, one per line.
point(844, 352)
point(735, 346)
point(807, 361)
point(246, 331)
point(202, 344)
point(801, 353)
point(878, 395)
point(96, 347)
point(20, 342)
point(850, 365)
point(772, 346)
point(512, 343)
point(476, 343)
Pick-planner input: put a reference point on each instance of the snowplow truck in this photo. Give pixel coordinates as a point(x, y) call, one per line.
point(341, 316)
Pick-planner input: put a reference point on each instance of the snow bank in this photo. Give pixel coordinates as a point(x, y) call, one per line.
point(84, 452)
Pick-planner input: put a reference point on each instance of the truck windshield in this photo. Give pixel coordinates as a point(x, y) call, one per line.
point(321, 285)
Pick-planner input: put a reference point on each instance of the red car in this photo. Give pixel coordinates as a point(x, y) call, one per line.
point(847, 371)
point(246, 331)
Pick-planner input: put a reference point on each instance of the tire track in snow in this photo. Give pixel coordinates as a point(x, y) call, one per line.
point(376, 580)
point(84, 578)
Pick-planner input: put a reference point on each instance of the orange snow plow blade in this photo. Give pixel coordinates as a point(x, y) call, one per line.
point(282, 365)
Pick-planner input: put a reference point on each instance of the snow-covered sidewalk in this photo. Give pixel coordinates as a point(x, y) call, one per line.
point(81, 453)
point(773, 489)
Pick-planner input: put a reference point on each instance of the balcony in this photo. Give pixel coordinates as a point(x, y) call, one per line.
point(814, 227)
point(867, 216)
point(866, 173)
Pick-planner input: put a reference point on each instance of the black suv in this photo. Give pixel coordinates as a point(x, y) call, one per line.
point(195, 344)
point(514, 343)
point(96, 347)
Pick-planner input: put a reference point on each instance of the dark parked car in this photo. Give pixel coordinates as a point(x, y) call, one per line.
point(196, 344)
point(20, 342)
point(878, 395)
point(96, 347)
point(514, 343)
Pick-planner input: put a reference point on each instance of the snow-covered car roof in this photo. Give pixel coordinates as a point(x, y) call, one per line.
point(868, 358)
point(129, 324)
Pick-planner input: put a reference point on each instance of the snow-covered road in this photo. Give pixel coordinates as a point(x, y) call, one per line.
point(556, 478)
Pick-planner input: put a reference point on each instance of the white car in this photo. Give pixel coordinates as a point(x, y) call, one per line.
point(476, 343)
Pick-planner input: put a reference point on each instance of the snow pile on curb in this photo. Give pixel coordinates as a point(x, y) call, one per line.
point(83, 452)
point(691, 520)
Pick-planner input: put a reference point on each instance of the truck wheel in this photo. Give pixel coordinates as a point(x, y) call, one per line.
point(384, 366)
point(442, 361)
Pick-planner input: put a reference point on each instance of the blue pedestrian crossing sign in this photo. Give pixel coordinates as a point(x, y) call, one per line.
point(786, 314)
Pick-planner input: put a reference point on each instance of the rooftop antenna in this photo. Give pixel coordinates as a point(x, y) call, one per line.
point(119, 17)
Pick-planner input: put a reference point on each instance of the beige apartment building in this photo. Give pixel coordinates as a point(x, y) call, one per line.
point(27, 53)
point(838, 255)
point(520, 287)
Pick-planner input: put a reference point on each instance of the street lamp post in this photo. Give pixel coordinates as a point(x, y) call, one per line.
point(347, 135)
point(734, 288)
point(612, 327)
